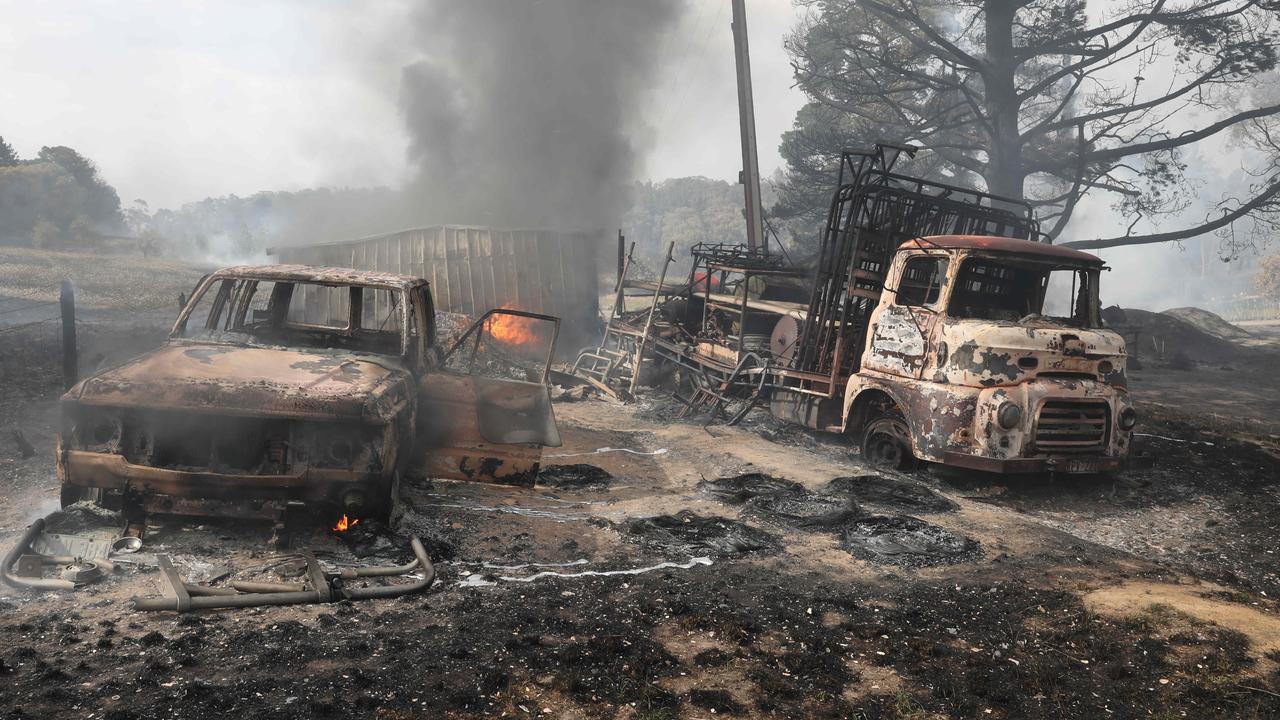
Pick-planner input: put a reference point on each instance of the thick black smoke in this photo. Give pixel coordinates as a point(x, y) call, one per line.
point(530, 113)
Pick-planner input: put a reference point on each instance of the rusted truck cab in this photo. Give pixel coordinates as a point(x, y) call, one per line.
point(989, 353)
point(283, 386)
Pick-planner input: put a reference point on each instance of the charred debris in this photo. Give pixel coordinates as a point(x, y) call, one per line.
point(297, 396)
point(935, 324)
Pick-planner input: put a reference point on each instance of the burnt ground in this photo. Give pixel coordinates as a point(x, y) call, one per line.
point(756, 571)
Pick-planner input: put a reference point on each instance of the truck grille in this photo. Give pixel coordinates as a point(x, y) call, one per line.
point(1072, 426)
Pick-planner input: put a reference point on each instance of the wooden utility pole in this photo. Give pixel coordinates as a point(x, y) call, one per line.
point(70, 355)
point(750, 175)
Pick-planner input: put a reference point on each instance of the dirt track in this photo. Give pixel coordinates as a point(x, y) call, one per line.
point(929, 595)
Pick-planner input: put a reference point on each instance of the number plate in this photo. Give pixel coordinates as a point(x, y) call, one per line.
point(1083, 466)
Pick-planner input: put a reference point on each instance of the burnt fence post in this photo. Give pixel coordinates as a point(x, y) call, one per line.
point(622, 253)
point(70, 358)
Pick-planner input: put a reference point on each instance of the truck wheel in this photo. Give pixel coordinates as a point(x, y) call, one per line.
point(886, 443)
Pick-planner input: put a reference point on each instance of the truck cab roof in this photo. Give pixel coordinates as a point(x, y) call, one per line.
point(989, 243)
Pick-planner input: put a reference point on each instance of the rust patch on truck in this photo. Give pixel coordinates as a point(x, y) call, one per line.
point(994, 367)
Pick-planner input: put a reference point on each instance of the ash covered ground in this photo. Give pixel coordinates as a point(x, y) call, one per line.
point(751, 571)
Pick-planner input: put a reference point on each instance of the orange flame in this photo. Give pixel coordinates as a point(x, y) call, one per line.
point(513, 330)
point(344, 524)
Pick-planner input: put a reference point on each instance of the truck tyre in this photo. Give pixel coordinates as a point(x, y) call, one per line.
point(886, 443)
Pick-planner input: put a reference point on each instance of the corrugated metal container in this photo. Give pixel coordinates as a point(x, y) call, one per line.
point(473, 269)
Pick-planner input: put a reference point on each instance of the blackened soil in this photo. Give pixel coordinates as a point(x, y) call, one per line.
point(741, 488)
point(800, 647)
point(369, 538)
point(1242, 478)
point(718, 701)
point(439, 540)
point(808, 511)
point(1194, 466)
point(687, 533)
point(576, 475)
point(887, 539)
point(890, 494)
point(906, 541)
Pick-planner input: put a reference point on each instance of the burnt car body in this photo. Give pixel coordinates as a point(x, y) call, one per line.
point(285, 385)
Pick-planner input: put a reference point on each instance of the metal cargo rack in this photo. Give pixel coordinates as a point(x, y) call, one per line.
point(700, 328)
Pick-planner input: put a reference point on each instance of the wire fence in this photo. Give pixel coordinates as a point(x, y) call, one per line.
point(30, 327)
point(1246, 307)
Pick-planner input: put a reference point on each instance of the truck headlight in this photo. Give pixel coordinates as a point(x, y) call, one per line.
point(1128, 418)
point(1008, 415)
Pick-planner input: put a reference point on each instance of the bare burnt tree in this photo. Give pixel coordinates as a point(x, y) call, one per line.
point(1048, 100)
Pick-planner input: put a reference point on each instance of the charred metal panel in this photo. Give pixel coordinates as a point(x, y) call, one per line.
point(504, 465)
point(984, 353)
point(898, 342)
point(231, 380)
point(473, 269)
point(819, 413)
point(457, 440)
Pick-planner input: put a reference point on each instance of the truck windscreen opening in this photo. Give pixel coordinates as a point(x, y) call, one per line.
point(1006, 291)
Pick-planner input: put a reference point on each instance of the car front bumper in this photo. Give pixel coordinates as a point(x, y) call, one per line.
point(106, 471)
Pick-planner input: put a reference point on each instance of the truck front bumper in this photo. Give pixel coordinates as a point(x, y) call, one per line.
point(1074, 466)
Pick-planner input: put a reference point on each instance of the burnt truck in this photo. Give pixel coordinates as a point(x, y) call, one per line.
point(934, 323)
point(965, 365)
point(288, 386)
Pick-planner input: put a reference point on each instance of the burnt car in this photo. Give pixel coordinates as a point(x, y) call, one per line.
point(285, 386)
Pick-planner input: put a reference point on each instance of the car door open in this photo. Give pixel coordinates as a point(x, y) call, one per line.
point(485, 411)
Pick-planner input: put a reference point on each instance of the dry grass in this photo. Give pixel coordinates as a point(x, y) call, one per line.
point(126, 282)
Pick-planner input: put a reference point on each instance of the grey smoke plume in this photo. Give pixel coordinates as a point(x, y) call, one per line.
point(529, 113)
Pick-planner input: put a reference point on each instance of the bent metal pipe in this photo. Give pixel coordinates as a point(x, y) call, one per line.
point(324, 590)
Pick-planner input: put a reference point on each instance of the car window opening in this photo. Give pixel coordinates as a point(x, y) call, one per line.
point(298, 314)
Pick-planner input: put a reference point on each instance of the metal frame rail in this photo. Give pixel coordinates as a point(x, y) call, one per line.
point(872, 212)
point(617, 361)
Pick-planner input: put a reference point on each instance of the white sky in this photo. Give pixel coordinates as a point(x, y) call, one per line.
point(696, 106)
point(177, 100)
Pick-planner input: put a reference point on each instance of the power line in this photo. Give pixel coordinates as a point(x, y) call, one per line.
point(14, 328)
point(27, 307)
point(681, 84)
